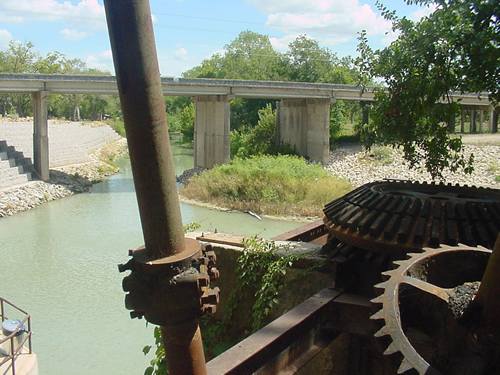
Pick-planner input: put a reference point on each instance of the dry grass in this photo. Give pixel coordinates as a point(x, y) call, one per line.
point(272, 185)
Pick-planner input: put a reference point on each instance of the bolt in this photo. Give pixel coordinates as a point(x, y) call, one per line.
point(136, 314)
point(210, 297)
point(208, 309)
point(126, 267)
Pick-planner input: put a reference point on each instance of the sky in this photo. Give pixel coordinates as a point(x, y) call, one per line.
point(188, 31)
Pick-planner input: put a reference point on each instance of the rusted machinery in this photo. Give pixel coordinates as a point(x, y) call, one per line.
point(169, 280)
point(408, 239)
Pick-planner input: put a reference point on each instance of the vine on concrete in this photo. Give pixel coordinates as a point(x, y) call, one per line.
point(261, 270)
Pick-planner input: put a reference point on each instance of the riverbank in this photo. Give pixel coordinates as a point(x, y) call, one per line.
point(360, 167)
point(64, 181)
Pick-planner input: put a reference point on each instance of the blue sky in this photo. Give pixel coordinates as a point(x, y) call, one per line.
point(188, 31)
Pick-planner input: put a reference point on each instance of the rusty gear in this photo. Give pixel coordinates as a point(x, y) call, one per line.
point(412, 294)
point(402, 216)
point(176, 287)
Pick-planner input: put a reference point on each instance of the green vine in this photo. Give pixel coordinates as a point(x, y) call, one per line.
point(158, 364)
point(261, 270)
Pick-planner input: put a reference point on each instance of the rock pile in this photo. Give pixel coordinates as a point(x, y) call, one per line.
point(360, 167)
point(64, 181)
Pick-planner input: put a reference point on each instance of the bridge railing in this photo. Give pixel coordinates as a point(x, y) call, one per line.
point(14, 345)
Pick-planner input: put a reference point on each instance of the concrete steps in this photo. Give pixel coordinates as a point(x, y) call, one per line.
point(15, 169)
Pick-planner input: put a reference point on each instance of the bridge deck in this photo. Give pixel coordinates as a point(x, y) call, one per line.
point(85, 84)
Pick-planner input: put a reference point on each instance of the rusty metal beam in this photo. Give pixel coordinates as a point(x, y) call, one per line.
point(139, 86)
point(296, 335)
point(304, 233)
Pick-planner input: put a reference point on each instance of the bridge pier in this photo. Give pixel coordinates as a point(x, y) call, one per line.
point(40, 135)
point(473, 121)
point(493, 120)
point(211, 130)
point(365, 113)
point(304, 124)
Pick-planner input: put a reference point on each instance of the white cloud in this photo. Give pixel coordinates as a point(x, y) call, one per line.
point(84, 13)
point(281, 43)
point(329, 21)
point(181, 53)
point(73, 34)
point(5, 38)
point(101, 60)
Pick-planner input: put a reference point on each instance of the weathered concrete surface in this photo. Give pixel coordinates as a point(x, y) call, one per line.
point(40, 135)
point(211, 131)
point(69, 142)
point(304, 125)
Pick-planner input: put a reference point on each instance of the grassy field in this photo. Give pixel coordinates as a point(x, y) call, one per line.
point(272, 185)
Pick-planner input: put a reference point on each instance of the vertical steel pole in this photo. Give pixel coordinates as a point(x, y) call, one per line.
point(138, 77)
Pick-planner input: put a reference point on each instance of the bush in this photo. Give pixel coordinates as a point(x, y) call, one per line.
point(183, 121)
point(117, 125)
point(275, 185)
point(259, 140)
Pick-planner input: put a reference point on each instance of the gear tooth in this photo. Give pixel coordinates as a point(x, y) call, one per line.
point(387, 273)
point(411, 255)
point(391, 349)
point(405, 366)
point(380, 285)
point(381, 332)
point(398, 263)
point(379, 315)
point(379, 299)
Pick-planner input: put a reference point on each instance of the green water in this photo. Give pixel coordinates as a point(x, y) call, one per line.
point(58, 262)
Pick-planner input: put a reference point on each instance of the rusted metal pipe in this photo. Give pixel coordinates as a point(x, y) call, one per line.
point(138, 78)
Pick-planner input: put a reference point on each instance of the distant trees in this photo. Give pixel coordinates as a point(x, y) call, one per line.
point(251, 56)
point(22, 58)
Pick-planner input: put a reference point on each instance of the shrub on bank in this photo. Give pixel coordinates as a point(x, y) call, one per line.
point(274, 185)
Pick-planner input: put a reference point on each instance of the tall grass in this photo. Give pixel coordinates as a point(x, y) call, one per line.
point(274, 185)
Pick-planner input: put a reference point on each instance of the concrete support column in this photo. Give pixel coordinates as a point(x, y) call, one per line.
point(481, 120)
point(304, 124)
point(473, 121)
point(40, 135)
point(365, 112)
point(493, 120)
point(462, 121)
point(211, 131)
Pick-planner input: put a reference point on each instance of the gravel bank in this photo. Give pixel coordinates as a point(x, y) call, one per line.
point(64, 181)
point(360, 167)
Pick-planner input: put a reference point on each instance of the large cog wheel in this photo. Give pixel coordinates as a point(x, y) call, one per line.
point(416, 303)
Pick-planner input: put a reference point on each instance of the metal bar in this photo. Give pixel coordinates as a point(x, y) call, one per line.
point(265, 344)
point(304, 233)
point(134, 55)
point(29, 331)
point(14, 306)
point(13, 356)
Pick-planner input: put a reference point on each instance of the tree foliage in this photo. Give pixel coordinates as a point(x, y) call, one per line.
point(454, 49)
point(251, 56)
point(21, 57)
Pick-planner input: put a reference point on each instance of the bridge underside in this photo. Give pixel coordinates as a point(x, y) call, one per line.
point(303, 111)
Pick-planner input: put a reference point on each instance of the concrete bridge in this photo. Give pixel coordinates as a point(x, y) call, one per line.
point(303, 109)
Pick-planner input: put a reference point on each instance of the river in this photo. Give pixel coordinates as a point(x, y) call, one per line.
point(59, 263)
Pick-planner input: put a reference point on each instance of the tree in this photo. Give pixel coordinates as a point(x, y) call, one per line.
point(306, 61)
point(22, 58)
point(455, 49)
